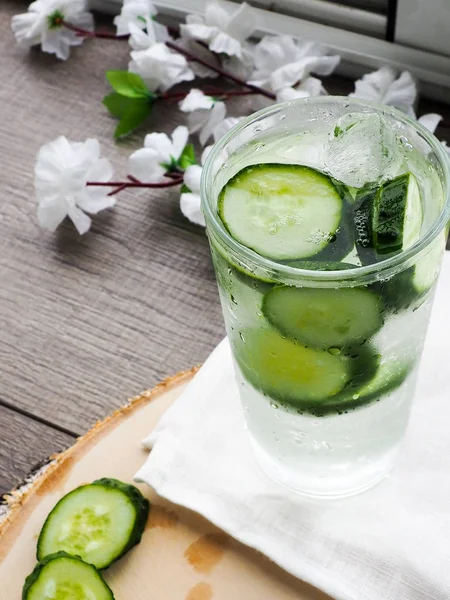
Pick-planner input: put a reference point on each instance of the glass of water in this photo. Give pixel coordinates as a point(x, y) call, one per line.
point(327, 221)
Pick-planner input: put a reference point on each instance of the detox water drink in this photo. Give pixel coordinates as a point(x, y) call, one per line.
point(326, 221)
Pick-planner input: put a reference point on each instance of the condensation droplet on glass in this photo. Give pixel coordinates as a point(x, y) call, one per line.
point(233, 299)
point(242, 337)
point(334, 351)
point(355, 396)
point(274, 405)
point(273, 229)
point(282, 117)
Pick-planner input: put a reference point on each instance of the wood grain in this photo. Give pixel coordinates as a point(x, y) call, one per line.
point(87, 322)
point(22, 440)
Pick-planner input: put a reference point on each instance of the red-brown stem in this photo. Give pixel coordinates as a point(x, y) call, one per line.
point(209, 92)
point(230, 76)
point(94, 34)
point(134, 183)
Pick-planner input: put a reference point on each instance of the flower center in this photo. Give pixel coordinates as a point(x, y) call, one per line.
point(55, 20)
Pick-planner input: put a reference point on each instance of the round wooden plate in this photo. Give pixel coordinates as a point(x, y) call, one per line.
point(181, 556)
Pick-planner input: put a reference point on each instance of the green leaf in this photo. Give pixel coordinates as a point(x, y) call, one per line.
point(128, 84)
point(187, 157)
point(185, 189)
point(132, 117)
point(117, 104)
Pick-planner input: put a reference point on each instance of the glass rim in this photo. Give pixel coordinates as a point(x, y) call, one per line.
point(358, 272)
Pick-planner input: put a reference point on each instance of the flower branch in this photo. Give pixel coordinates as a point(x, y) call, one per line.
point(134, 183)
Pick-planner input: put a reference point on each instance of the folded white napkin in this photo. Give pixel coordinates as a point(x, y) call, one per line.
point(389, 543)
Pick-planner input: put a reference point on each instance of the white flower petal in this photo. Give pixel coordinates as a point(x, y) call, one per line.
point(190, 207)
point(159, 67)
point(81, 221)
point(95, 205)
point(243, 22)
point(223, 126)
point(216, 15)
point(51, 215)
point(205, 154)
point(402, 93)
point(216, 115)
point(197, 120)
point(223, 43)
point(195, 100)
point(430, 121)
point(144, 164)
point(159, 142)
point(132, 13)
point(200, 32)
point(288, 93)
point(192, 177)
point(180, 137)
point(192, 46)
point(373, 86)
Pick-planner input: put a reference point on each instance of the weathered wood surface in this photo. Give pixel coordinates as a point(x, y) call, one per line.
point(87, 322)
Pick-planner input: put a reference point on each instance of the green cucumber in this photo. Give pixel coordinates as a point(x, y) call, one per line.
point(324, 318)
point(363, 224)
point(396, 214)
point(318, 265)
point(61, 576)
point(99, 522)
point(284, 370)
point(283, 212)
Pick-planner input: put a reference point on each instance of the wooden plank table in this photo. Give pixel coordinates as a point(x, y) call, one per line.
point(87, 322)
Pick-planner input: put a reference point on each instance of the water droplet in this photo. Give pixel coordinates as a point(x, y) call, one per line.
point(334, 351)
point(233, 299)
point(274, 405)
point(242, 337)
point(282, 117)
point(273, 229)
point(230, 272)
point(355, 396)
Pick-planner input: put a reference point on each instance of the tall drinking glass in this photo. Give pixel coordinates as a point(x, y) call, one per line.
point(326, 345)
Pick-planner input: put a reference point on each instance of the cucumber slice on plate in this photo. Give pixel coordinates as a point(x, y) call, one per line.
point(98, 522)
point(283, 212)
point(324, 318)
point(396, 214)
point(64, 577)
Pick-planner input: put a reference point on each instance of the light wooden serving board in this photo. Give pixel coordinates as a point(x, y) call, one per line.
point(181, 556)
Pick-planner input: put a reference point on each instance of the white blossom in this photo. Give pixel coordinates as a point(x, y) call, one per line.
point(150, 163)
point(430, 121)
point(190, 201)
point(159, 67)
point(202, 52)
point(310, 87)
point(62, 170)
point(141, 39)
point(139, 14)
point(42, 24)
point(385, 87)
point(282, 62)
point(205, 113)
point(221, 28)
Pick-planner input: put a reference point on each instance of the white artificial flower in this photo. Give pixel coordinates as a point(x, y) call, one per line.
point(150, 163)
point(202, 52)
point(138, 14)
point(190, 203)
point(430, 121)
point(42, 24)
point(141, 39)
point(221, 128)
point(221, 28)
point(385, 87)
point(310, 87)
point(282, 62)
point(159, 67)
point(205, 113)
point(62, 170)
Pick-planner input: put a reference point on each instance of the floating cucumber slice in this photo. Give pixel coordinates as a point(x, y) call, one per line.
point(409, 287)
point(98, 522)
point(390, 375)
point(281, 211)
point(319, 265)
point(324, 318)
point(64, 577)
point(396, 214)
point(363, 224)
point(284, 370)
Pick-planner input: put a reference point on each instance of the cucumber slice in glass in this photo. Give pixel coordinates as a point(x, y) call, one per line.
point(283, 212)
point(99, 522)
point(284, 370)
point(61, 576)
point(324, 318)
point(390, 375)
point(396, 214)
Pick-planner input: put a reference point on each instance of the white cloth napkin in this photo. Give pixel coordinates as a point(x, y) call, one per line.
point(389, 543)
